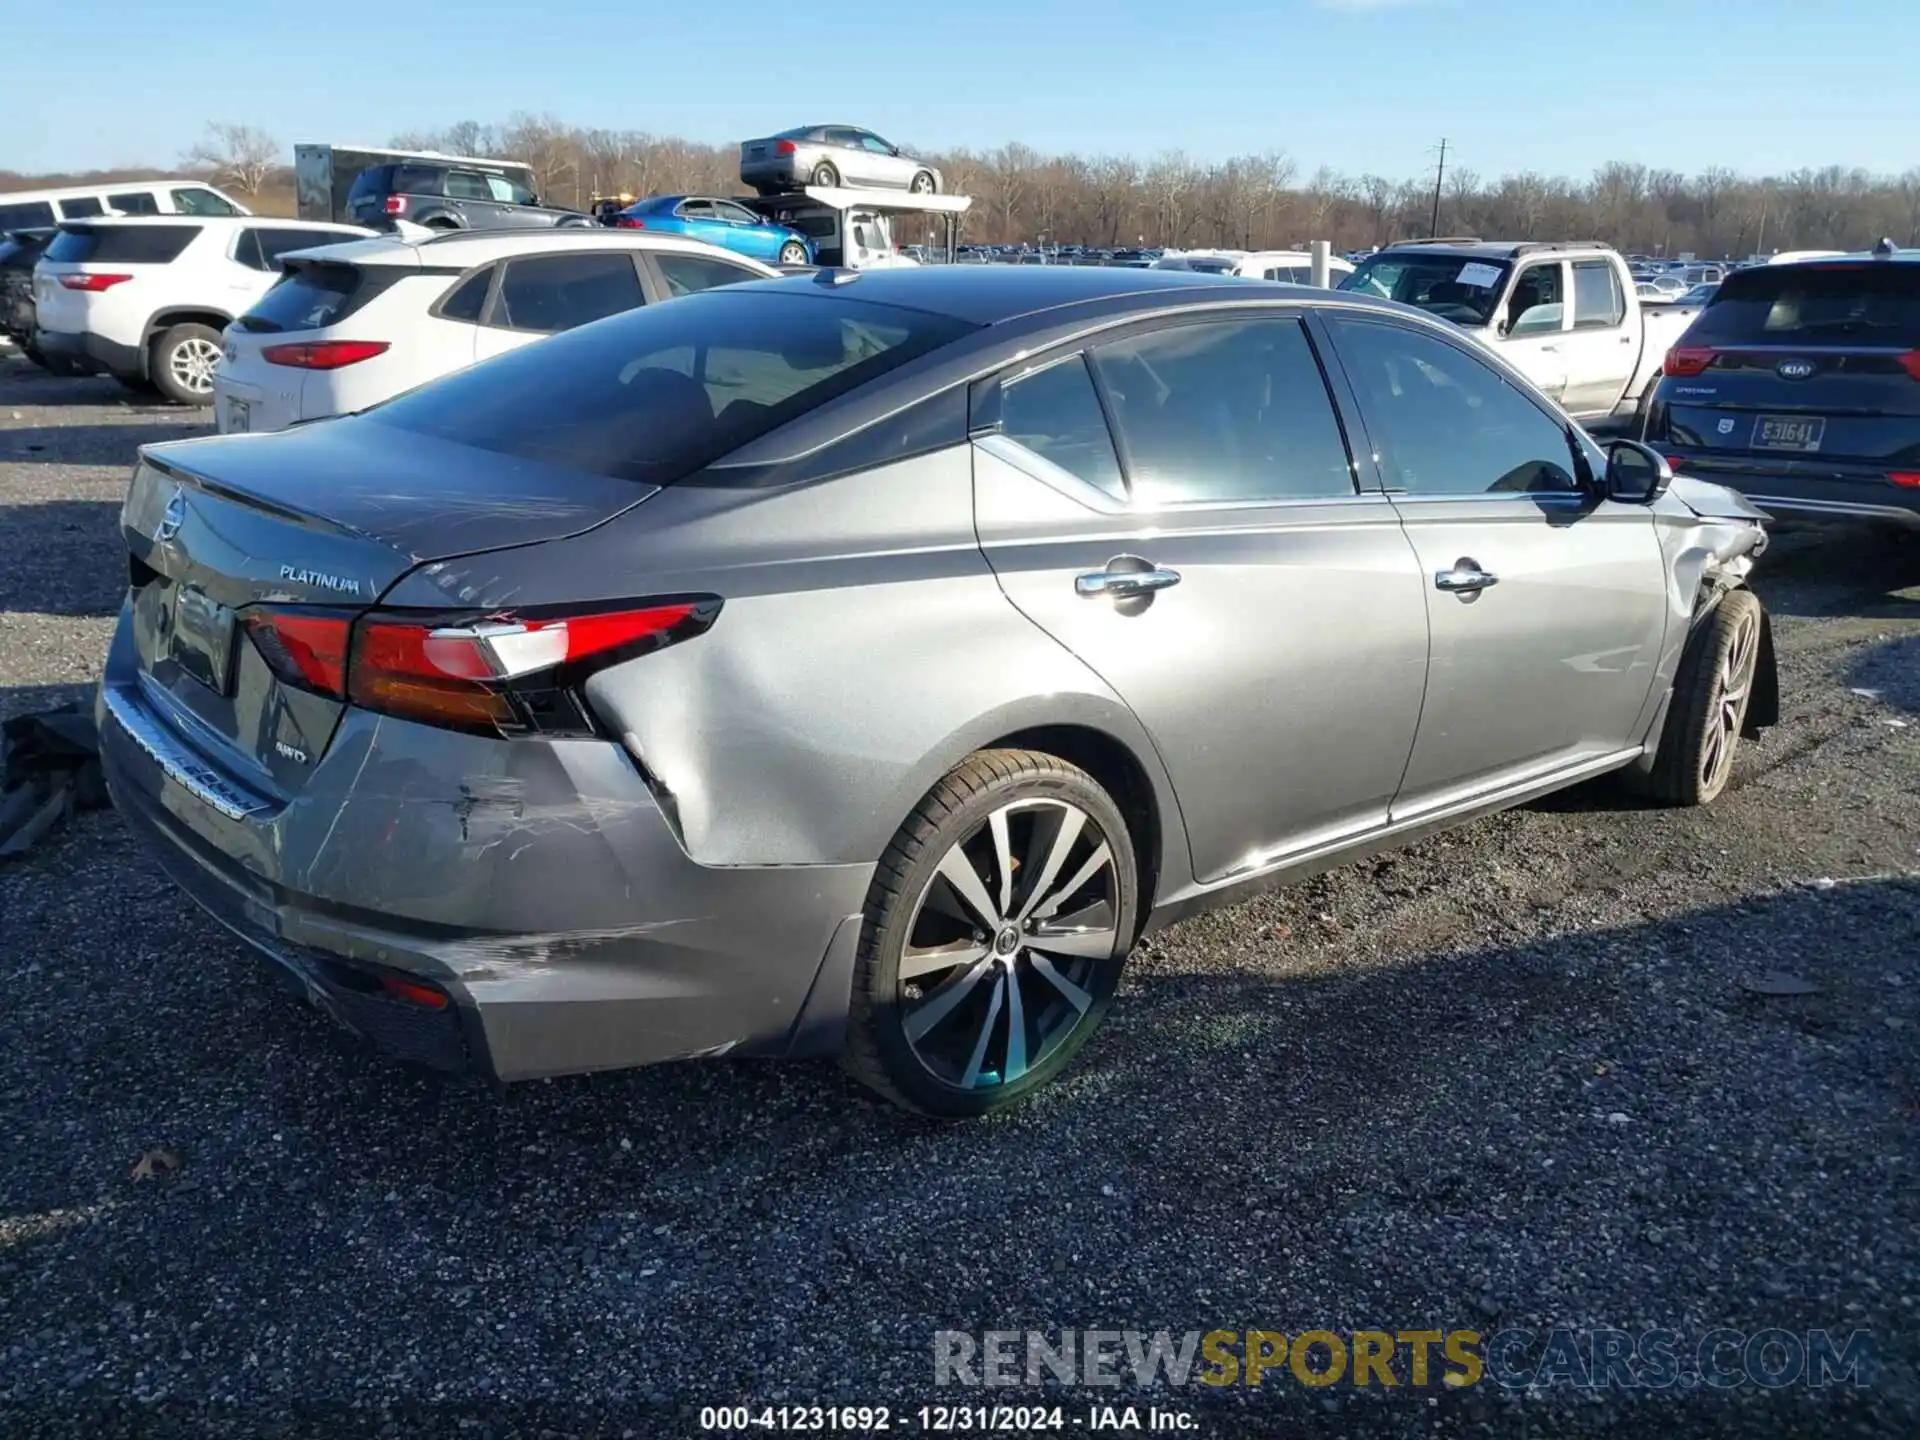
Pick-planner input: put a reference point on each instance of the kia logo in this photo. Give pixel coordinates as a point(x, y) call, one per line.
point(1795, 369)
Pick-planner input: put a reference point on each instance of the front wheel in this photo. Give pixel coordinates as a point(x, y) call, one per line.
point(793, 253)
point(922, 184)
point(996, 929)
point(183, 361)
point(1708, 712)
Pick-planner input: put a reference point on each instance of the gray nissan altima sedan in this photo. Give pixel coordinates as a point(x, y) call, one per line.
point(860, 665)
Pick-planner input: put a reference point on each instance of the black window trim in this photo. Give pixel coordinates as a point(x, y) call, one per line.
point(1586, 489)
point(984, 412)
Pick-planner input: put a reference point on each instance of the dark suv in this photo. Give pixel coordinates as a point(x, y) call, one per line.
point(452, 197)
point(20, 251)
point(1799, 384)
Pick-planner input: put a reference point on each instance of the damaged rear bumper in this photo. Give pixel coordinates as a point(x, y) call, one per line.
point(536, 884)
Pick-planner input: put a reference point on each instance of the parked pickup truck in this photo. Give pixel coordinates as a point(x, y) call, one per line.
point(1564, 314)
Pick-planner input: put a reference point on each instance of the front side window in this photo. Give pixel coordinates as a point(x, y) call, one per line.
point(550, 293)
point(738, 214)
point(659, 392)
point(875, 144)
point(685, 274)
point(1597, 300)
point(508, 192)
point(696, 209)
point(1539, 302)
point(1224, 411)
point(1056, 414)
point(1445, 422)
point(198, 200)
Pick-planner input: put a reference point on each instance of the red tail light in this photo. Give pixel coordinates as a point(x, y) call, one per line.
point(396, 205)
point(1910, 362)
point(93, 283)
point(324, 354)
point(627, 222)
point(1906, 479)
point(1688, 359)
point(500, 673)
point(785, 147)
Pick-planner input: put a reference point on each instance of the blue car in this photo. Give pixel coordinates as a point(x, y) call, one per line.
point(726, 223)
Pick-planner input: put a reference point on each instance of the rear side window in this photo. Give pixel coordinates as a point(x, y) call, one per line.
point(655, 394)
point(1597, 298)
point(1873, 303)
point(1225, 411)
point(468, 298)
point(83, 208)
point(308, 297)
point(121, 244)
point(27, 216)
point(465, 185)
point(549, 293)
point(135, 202)
point(418, 180)
point(198, 200)
point(1056, 414)
point(684, 274)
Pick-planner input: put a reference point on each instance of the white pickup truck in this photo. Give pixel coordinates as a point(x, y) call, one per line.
point(1564, 313)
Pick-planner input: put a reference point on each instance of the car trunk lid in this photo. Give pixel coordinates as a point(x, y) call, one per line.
point(316, 519)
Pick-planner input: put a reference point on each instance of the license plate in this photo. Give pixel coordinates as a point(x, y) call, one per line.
point(203, 638)
point(1787, 432)
point(239, 417)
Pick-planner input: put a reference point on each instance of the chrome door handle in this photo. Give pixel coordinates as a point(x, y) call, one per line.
point(1465, 578)
point(1124, 584)
point(1549, 349)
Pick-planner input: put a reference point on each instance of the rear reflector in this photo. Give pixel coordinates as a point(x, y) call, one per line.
point(93, 283)
point(498, 674)
point(413, 992)
point(1908, 479)
point(324, 354)
point(1688, 359)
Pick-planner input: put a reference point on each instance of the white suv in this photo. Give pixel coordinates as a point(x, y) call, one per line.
point(352, 325)
point(144, 299)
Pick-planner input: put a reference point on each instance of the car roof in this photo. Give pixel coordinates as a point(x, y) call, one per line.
point(461, 249)
point(86, 192)
point(237, 221)
point(994, 294)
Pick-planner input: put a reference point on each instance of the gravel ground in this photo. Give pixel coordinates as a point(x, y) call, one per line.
point(1509, 1078)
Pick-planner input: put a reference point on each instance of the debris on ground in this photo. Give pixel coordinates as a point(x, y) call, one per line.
point(1778, 982)
point(49, 768)
point(155, 1163)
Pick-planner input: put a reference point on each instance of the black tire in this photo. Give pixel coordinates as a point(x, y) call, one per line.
point(1705, 719)
point(441, 222)
point(967, 1006)
point(824, 176)
point(179, 365)
point(923, 183)
point(793, 253)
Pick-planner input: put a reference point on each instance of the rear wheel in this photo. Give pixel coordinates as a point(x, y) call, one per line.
point(922, 183)
point(440, 222)
point(996, 929)
point(1711, 692)
point(825, 176)
point(183, 361)
point(793, 253)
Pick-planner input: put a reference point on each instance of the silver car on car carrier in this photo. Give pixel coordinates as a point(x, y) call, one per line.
point(833, 156)
point(860, 664)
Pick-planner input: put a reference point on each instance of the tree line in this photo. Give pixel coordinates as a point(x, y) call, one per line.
point(1254, 201)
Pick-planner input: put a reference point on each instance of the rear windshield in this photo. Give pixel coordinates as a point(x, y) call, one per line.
point(1870, 303)
point(656, 393)
point(307, 297)
point(26, 216)
point(1450, 286)
point(120, 244)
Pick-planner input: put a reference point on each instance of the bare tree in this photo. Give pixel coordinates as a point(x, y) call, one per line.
point(237, 155)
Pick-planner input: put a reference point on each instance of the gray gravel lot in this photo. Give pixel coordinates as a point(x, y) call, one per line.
point(1509, 1078)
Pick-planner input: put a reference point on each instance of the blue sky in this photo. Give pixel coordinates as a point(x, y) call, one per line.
point(1361, 85)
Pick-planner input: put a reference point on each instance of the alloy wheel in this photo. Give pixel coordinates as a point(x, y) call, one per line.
point(1006, 937)
point(1733, 689)
point(191, 364)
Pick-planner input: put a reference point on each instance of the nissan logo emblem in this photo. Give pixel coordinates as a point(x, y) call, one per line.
point(1795, 369)
point(171, 518)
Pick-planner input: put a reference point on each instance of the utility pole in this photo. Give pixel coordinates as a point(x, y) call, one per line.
point(1440, 175)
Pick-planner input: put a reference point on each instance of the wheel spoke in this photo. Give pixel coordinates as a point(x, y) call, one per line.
point(958, 872)
point(1058, 846)
point(1003, 857)
point(1016, 1065)
point(971, 1077)
point(929, 959)
point(1096, 862)
point(1087, 944)
point(941, 1003)
point(1078, 998)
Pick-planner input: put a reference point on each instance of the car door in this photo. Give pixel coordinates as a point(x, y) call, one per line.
point(1177, 506)
point(1600, 349)
point(540, 295)
point(853, 160)
point(1536, 318)
point(699, 222)
point(882, 161)
point(746, 233)
point(1546, 605)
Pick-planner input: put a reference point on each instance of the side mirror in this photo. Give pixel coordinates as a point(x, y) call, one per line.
point(1636, 474)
